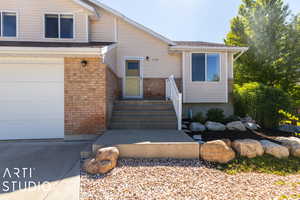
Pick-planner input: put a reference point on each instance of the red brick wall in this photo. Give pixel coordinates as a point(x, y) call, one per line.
point(112, 92)
point(85, 96)
point(156, 87)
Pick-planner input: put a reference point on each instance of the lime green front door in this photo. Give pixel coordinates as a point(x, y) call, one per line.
point(133, 80)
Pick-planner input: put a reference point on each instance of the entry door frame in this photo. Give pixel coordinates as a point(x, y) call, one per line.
point(140, 59)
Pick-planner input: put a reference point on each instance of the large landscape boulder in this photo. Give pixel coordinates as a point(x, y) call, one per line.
point(274, 149)
point(292, 143)
point(216, 151)
point(92, 166)
point(106, 159)
point(248, 148)
point(215, 126)
point(236, 126)
point(197, 127)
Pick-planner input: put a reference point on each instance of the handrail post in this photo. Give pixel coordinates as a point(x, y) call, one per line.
point(179, 112)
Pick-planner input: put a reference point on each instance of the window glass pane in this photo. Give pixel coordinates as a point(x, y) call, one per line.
point(132, 68)
point(213, 67)
point(51, 26)
point(9, 24)
point(66, 26)
point(198, 67)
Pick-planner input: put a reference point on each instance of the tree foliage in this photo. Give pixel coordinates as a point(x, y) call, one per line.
point(273, 37)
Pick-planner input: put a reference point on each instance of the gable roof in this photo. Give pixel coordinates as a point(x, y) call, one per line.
point(130, 21)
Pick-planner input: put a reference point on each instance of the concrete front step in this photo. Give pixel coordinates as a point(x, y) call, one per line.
point(143, 125)
point(143, 113)
point(144, 118)
point(143, 107)
point(150, 144)
point(152, 102)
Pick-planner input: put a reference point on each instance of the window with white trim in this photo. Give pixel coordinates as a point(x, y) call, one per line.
point(59, 26)
point(8, 24)
point(205, 67)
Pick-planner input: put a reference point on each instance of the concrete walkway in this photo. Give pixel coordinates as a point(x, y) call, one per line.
point(40, 170)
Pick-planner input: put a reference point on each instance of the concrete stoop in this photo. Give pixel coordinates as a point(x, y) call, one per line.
point(150, 144)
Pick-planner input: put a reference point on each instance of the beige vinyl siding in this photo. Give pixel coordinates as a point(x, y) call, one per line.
point(133, 42)
point(205, 92)
point(31, 18)
point(103, 29)
point(230, 66)
point(110, 59)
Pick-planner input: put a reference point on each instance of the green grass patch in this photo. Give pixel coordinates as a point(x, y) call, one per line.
point(263, 164)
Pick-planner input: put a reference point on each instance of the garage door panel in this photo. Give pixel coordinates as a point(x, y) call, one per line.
point(31, 72)
point(31, 129)
point(32, 98)
point(34, 91)
point(23, 110)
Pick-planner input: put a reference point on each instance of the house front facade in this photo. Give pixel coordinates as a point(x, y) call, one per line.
point(63, 63)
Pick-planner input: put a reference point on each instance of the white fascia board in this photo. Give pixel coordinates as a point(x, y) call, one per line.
point(88, 7)
point(132, 22)
point(50, 51)
point(201, 48)
point(107, 49)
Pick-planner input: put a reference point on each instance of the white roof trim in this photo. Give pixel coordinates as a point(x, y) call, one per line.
point(130, 21)
point(86, 6)
point(51, 51)
point(195, 48)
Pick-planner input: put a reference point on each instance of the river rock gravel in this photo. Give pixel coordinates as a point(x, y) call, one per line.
point(171, 179)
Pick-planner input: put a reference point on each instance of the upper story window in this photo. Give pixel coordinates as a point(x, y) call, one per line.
point(205, 67)
point(59, 26)
point(8, 24)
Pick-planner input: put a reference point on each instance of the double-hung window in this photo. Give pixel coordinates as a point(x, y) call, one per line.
point(205, 67)
point(8, 24)
point(59, 26)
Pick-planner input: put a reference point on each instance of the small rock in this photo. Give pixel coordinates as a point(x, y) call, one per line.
point(197, 127)
point(292, 143)
point(106, 165)
point(248, 148)
point(215, 126)
point(236, 126)
point(197, 137)
point(251, 125)
point(274, 149)
point(216, 151)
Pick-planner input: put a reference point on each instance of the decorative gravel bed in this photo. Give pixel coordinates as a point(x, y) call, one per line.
point(183, 179)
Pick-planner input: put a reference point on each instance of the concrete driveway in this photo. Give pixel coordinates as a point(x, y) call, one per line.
point(40, 170)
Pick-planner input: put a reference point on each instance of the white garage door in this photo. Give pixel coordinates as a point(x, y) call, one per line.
point(31, 98)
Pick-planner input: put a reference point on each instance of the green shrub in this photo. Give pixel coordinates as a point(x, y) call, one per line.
point(199, 118)
point(260, 102)
point(232, 118)
point(215, 115)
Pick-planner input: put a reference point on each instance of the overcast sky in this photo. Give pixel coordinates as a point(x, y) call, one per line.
point(203, 20)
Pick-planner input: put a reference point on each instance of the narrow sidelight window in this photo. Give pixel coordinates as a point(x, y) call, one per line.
point(205, 67)
point(59, 26)
point(8, 24)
